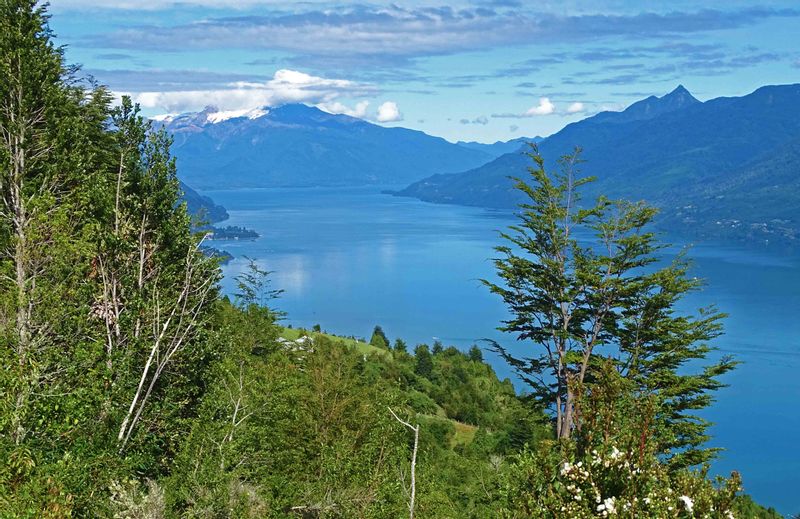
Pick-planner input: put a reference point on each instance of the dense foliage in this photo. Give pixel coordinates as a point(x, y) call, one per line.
point(131, 389)
point(576, 303)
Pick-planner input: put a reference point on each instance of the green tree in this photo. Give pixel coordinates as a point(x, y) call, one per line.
point(54, 151)
point(424, 361)
point(104, 294)
point(574, 302)
point(400, 345)
point(155, 287)
point(379, 339)
point(475, 354)
point(252, 286)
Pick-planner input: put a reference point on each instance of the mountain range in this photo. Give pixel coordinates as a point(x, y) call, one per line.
point(724, 167)
point(499, 148)
point(297, 145)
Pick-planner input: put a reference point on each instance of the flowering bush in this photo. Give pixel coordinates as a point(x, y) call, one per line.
point(614, 466)
point(555, 481)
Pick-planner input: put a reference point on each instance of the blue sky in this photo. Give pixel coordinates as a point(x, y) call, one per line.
point(481, 70)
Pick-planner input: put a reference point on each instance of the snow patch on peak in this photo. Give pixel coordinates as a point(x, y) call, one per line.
point(164, 118)
point(224, 115)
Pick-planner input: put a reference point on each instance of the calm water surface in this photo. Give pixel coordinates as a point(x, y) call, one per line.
point(349, 259)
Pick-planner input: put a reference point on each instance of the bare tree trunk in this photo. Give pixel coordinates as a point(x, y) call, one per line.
point(412, 498)
point(559, 413)
point(171, 332)
point(118, 193)
point(566, 427)
point(140, 271)
point(19, 219)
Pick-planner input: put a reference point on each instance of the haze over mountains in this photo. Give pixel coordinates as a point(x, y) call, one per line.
point(727, 167)
point(724, 167)
point(297, 145)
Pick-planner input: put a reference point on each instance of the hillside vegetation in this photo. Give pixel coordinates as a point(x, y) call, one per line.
point(131, 388)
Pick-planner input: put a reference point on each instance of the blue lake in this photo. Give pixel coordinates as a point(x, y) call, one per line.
point(349, 259)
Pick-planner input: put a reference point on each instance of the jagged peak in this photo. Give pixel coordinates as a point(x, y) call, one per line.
point(680, 89)
point(680, 93)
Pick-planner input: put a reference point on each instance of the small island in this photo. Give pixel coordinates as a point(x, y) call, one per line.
point(230, 232)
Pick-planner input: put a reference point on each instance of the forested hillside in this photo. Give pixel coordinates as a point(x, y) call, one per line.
point(674, 152)
point(202, 207)
point(131, 389)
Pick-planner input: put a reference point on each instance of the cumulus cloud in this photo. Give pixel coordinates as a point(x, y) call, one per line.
point(286, 86)
point(388, 112)
point(545, 107)
point(576, 108)
point(336, 107)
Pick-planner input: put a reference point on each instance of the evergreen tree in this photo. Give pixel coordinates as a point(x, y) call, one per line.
point(400, 346)
point(475, 354)
point(253, 286)
point(574, 303)
point(424, 361)
point(379, 339)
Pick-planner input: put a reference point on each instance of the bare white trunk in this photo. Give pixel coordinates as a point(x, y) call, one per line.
point(171, 332)
point(19, 217)
point(413, 496)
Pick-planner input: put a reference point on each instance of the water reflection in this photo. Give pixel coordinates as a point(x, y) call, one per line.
point(351, 258)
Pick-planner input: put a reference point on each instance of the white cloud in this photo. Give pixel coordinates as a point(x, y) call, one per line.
point(545, 107)
point(576, 108)
point(166, 4)
point(388, 112)
point(336, 107)
point(286, 86)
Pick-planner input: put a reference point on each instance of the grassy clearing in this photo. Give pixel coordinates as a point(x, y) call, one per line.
point(362, 347)
point(465, 433)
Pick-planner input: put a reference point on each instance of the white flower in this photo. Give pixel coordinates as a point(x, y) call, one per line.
point(566, 468)
point(615, 454)
point(687, 502)
point(609, 505)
